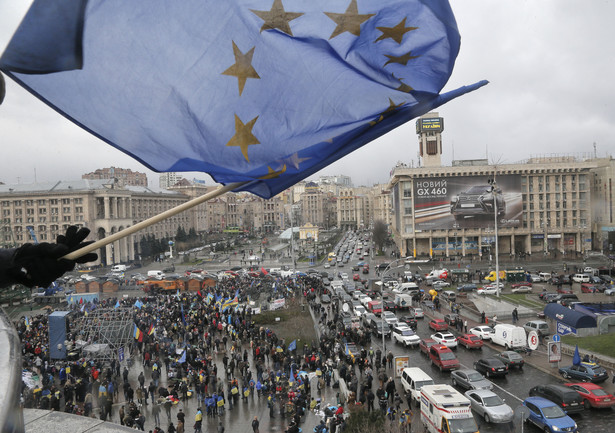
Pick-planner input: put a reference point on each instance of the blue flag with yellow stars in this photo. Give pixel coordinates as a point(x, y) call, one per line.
point(262, 91)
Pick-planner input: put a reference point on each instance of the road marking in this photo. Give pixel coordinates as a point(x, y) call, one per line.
point(496, 385)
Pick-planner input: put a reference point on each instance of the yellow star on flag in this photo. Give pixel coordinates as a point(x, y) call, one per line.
point(277, 18)
point(242, 69)
point(243, 136)
point(403, 60)
point(350, 21)
point(396, 33)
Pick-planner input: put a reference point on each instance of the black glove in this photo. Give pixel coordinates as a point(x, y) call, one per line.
point(38, 265)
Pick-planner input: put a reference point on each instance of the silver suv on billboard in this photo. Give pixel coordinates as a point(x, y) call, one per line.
point(477, 201)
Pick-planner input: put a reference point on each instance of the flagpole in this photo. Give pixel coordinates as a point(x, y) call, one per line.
point(153, 220)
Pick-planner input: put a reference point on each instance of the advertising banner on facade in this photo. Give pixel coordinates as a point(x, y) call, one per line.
point(455, 202)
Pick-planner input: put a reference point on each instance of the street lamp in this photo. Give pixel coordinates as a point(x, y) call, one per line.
point(494, 191)
point(388, 268)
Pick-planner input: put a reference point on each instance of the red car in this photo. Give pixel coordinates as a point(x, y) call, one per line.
point(438, 325)
point(564, 290)
point(356, 277)
point(470, 341)
point(593, 395)
point(366, 269)
point(588, 288)
point(521, 284)
point(425, 344)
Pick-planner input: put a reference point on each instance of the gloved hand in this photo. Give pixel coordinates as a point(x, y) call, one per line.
point(38, 265)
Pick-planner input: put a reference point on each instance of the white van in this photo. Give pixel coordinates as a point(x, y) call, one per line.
point(412, 380)
point(158, 275)
point(545, 277)
point(407, 289)
point(509, 336)
point(580, 278)
point(119, 268)
point(444, 409)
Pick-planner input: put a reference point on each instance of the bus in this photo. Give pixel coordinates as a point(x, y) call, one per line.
point(231, 229)
point(331, 257)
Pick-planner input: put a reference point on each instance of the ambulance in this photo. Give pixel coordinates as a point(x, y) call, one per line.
point(445, 410)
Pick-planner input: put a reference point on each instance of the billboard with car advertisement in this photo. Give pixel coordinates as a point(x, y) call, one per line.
point(456, 202)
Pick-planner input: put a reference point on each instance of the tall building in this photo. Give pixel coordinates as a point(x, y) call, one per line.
point(429, 128)
point(169, 179)
point(45, 210)
point(124, 176)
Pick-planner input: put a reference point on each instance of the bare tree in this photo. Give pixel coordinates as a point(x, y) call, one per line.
point(379, 234)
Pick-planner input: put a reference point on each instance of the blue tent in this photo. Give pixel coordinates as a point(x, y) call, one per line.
point(569, 317)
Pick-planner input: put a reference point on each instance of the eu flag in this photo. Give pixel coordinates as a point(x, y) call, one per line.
point(260, 91)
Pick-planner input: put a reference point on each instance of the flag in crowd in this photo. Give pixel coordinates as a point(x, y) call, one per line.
point(293, 345)
point(138, 334)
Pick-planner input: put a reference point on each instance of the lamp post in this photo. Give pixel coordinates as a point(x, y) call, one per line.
point(494, 191)
point(388, 268)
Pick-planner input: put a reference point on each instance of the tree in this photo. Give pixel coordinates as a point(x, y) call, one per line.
point(379, 234)
point(181, 235)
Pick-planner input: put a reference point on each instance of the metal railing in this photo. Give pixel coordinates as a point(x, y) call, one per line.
point(11, 414)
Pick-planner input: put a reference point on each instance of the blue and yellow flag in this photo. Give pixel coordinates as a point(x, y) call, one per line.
point(263, 91)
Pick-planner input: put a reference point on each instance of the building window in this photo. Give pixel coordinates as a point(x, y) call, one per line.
point(66, 209)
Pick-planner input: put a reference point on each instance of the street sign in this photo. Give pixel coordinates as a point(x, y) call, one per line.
point(120, 353)
point(563, 329)
point(556, 338)
point(522, 413)
point(532, 340)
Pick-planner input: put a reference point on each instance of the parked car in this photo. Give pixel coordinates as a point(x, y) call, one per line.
point(390, 318)
point(489, 406)
point(563, 290)
point(522, 289)
point(586, 372)
point(593, 395)
point(487, 290)
point(521, 284)
point(548, 416)
point(511, 359)
point(482, 331)
point(568, 399)
point(470, 379)
point(470, 341)
point(491, 367)
point(425, 344)
point(535, 278)
point(438, 325)
point(405, 335)
point(445, 338)
point(466, 288)
point(540, 326)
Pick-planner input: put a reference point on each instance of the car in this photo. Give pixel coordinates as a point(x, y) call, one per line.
point(408, 320)
point(466, 288)
point(439, 284)
point(443, 358)
point(390, 318)
point(325, 299)
point(445, 338)
point(355, 268)
point(425, 344)
point(416, 312)
point(487, 290)
point(451, 319)
point(438, 325)
point(589, 288)
point(491, 367)
point(540, 326)
point(389, 305)
point(488, 405)
point(522, 287)
point(380, 327)
point(359, 310)
point(563, 290)
point(470, 379)
point(585, 371)
point(327, 265)
point(610, 292)
point(405, 335)
point(535, 278)
point(356, 277)
point(511, 359)
point(521, 284)
point(568, 399)
point(470, 341)
point(478, 200)
point(548, 416)
point(593, 395)
point(482, 331)
point(549, 297)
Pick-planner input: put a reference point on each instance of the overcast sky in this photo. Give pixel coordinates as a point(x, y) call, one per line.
point(550, 64)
